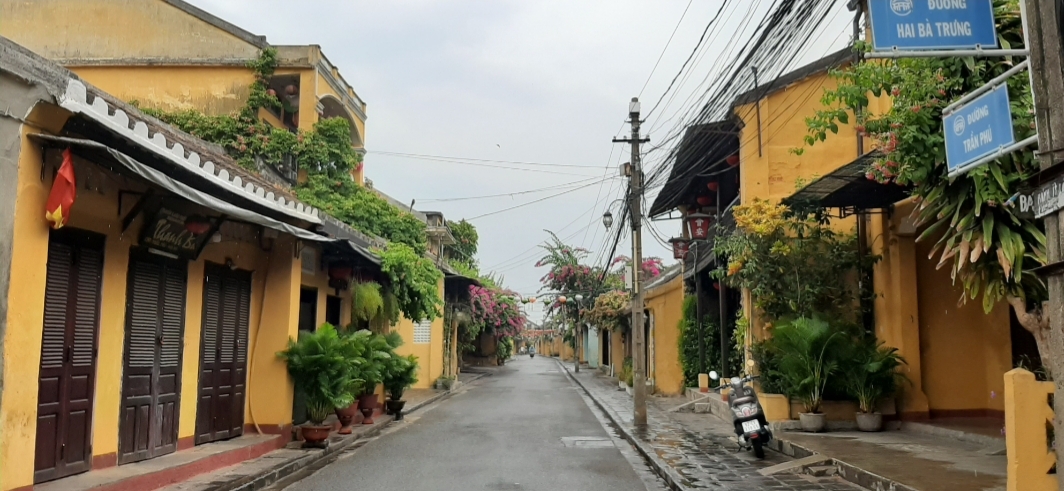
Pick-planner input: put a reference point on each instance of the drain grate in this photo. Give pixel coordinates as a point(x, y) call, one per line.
point(587, 442)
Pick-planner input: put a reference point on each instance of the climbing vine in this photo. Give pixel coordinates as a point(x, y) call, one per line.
point(414, 282)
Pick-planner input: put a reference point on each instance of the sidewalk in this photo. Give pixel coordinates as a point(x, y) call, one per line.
point(703, 458)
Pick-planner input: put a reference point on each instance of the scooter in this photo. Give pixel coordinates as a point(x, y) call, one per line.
point(748, 416)
point(531, 354)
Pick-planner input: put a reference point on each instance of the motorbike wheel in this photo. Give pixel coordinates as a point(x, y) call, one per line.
point(759, 449)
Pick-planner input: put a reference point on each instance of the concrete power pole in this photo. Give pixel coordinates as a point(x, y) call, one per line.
point(1043, 33)
point(635, 198)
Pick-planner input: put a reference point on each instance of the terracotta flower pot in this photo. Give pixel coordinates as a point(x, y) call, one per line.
point(315, 436)
point(869, 421)
point(395, 408)
point(813, 422)
point(367, 403)
point(346, 417)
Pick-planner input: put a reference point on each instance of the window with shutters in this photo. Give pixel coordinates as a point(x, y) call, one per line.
point(423, 332)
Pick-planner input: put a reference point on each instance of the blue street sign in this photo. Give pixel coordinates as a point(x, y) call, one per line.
point(932, 24)
point(978, 128)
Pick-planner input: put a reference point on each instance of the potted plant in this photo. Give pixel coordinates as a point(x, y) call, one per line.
point(807, 359)
point(872, 377)
point(401, 374)
point(317, 363)
point(379, 350)
point(355, 346)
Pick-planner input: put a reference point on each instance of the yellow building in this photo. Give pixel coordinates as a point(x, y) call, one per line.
point(664, 301)
point(176, 278)
point(956, 355)
point(171, 55)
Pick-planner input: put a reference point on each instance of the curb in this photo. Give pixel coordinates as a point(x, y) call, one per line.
point(298, 469)
point(663, 470)
point(847, 472)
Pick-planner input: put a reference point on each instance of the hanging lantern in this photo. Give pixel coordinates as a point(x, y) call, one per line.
point(680, 246)
point(713, 186)
point(197, 224)
point(562, 299)
point(704, 200)
point(532, 300)
point(698, 224)
point(716, 286)
point(340, 272)
point(732, 160)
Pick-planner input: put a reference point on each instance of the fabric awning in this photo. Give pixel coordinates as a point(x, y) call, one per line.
point(847, 187)
point(100, 154)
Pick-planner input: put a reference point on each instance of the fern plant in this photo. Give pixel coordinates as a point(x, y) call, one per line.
point(320, 364)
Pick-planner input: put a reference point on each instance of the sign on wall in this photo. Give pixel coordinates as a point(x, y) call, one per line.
point(932, 24)
point(978, 129)
point(168, 231)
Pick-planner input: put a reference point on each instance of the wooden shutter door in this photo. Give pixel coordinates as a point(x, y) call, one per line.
point(223, 355)
point(155, 318)
point(68, 355)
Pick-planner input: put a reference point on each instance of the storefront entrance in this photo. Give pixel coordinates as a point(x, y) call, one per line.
point(66, 384)
point(223, 353)
point(151, 380)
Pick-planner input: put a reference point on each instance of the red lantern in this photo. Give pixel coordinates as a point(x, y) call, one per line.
point(732, 160)
point(698, 224)
point(704, 200)
point(197, 224)
point(680, 246)
point(713, 186)
point(562, 299)
point(716, 286)
point(342, 273)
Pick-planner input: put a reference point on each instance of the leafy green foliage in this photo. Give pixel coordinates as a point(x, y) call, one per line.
point(464, 250)
point(367, 303)
point(794, 264)
point(400, 374)
point(990, 250)
point(808, 358)
point(505, 349)
point(870, 373)
point(414, 281)
point(363, 209)
point(321, 366)
point(377, 358)
point(688, 327)
point(611, 311)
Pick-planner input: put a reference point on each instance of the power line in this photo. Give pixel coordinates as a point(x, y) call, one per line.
point(516, 193)
point(470, 159)
point(530, 202)
point(663, 50)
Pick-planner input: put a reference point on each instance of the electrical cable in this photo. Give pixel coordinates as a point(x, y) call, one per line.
point(666, 48)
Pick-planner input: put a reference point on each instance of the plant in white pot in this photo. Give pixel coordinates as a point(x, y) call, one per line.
point(871, 377)
point(807, 350)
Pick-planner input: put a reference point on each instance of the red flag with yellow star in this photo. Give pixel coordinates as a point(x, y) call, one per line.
point(61, 199)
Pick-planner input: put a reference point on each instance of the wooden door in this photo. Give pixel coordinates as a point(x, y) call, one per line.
point(68, 355)
point(151, 378)
point(223, 353)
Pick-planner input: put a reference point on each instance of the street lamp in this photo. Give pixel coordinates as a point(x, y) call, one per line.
point(607, 219)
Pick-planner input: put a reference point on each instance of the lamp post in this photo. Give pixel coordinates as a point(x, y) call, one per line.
point(577, 335)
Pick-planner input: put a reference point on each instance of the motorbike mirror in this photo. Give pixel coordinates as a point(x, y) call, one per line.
point(736, 380)
point(713, 375)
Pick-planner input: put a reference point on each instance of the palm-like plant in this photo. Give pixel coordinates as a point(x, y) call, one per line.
point(321, 368)
point(807, 358)
point(401, 374)
point(873, 374)
point(380, 348)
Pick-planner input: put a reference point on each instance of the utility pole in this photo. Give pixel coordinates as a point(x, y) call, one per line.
point(1044, 41)
point(635, 198)
point(576, 340)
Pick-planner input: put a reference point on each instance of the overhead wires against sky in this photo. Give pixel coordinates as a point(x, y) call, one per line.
point(461, 160)
point(496, 212)
point(666, 48)
point(517, 193)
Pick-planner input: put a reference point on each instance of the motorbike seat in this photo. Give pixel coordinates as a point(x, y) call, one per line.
point(742, 400)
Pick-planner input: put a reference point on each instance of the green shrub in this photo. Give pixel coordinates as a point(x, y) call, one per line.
point(320, 365)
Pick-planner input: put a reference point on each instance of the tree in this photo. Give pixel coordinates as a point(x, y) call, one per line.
point(464, 250)
point(979, 234)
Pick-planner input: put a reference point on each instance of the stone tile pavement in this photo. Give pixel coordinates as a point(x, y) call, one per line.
point(694, 451)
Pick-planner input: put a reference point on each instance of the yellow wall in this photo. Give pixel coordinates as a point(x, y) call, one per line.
point(666, 302)
point(109, 30)
point(956, 356)
point(429, 356)
point(214, 90)
point(272, 320)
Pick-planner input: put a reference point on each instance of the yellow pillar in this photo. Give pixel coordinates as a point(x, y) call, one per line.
point(1027, 415)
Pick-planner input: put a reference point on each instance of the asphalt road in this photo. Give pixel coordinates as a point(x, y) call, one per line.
point(526, 427)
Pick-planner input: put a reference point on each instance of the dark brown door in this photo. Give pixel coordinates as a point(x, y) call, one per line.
point(68, 354)
point(223, 353)
point(151, 378)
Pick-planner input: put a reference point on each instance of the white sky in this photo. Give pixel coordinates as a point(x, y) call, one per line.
point(534, 81)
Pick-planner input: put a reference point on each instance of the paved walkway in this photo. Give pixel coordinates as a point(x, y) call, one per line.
point(696, 454)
